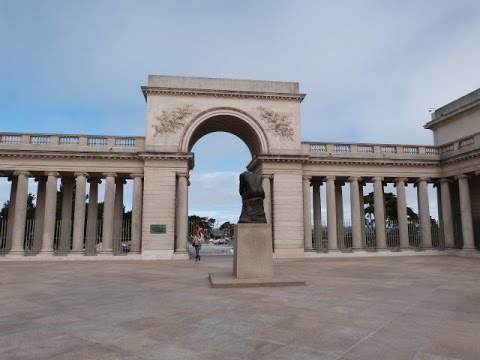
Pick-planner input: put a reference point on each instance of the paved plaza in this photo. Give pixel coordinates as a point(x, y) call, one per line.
point(424, 308)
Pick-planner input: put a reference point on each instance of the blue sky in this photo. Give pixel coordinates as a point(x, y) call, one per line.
point(371, 68)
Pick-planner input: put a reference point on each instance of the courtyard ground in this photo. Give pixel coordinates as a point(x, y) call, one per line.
point(424, 308)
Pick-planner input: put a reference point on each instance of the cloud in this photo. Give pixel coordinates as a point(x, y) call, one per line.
point(215, 195)
point(370, 69)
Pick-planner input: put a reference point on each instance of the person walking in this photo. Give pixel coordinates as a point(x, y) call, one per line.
point(197, 243)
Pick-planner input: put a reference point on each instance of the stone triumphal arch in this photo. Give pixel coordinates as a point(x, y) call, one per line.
point(266, 116)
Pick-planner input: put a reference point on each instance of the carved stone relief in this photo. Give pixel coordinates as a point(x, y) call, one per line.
point(277, 122)
point(169, 122)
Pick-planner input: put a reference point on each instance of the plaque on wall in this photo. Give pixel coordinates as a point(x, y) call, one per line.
point(158, 229)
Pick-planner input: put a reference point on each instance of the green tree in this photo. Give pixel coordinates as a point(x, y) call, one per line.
point(204, 222)
point(391, 213)
point(30, 208)
point(228, 229)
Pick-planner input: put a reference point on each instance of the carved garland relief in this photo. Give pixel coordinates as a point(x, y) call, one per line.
point(169, 122)
point(278, 122)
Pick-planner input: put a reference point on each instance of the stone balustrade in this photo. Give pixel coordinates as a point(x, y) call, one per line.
point(69, 142)
point(395, 151)
point(371, 150)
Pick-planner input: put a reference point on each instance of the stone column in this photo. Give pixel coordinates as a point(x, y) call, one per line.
point(66, 219)
point(39, 212)
point(118, 215)
point(11, 210)
point(307, 215)
point(355, 210)
point(447, 216)
point(402, 212)
point(424, 213)
point(137, 206)
point(362, 209)
point(182, 213)
point(331, 214)
point(92, 212)
point(317, 212)
point(108, 214)
point(465, 211)
point(50, 213)
point(267, 202)
point(379, 207)
point(339, 210)
point(20, 214)
point(79, 212)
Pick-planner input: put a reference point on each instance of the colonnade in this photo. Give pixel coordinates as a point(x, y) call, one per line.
point(334, 211)
point(72, 238)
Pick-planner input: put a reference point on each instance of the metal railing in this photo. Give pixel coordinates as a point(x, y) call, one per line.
point(122, 237)
point(4, 241)
point(320, 237)
point(63, 237)
point(93, 237)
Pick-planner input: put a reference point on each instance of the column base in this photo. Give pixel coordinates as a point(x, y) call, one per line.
point(76, 254)
point(45, 254)
point(183, 255)
point(15, 254)
point(105, 253)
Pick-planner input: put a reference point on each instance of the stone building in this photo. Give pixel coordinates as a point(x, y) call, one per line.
point(266, 116)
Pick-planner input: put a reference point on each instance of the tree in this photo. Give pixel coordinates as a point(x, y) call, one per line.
point(391, 213)
point(196, 221)
point(30, 208)
point(227, 228)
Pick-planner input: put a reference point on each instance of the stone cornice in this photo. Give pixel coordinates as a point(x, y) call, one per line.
point(461, 157)
point(149, 90)
point(166, 156)
point(69, 155)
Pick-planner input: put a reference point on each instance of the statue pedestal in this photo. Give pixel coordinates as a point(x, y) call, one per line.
point(252, 261)
point(252, 257)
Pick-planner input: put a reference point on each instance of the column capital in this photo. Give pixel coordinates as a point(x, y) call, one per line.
point(267, 176)
point(355, 178)
point(110, 174)
point(84, 174)
point(21, 172)
point(330, 177)
point(444, 180)
point(461, 176)
point(306, 177)
point(377, 178)
point(420, 179)
point(52, 173)
point(185, 175)
point(136, 175)
point(400, 179)
point(94, 180)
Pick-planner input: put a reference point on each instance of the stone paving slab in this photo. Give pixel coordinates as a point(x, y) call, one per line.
point(421, 308)
point(227, 280)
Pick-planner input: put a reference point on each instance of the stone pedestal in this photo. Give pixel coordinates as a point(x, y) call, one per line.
point(252, 261)
point(252, 251)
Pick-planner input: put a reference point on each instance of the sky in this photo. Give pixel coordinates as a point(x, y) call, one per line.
point(371, 69)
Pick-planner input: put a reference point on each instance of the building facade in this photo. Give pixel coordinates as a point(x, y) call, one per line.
point(266, 116)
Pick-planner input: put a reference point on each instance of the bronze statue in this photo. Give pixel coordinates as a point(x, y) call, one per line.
point(252, 194)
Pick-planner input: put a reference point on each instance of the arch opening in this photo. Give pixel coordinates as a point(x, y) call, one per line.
point(230, 121)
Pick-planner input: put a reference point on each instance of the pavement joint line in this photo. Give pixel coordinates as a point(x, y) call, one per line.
point(388, 322)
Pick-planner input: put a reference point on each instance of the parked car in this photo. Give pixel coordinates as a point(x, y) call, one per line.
point(221, 242)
